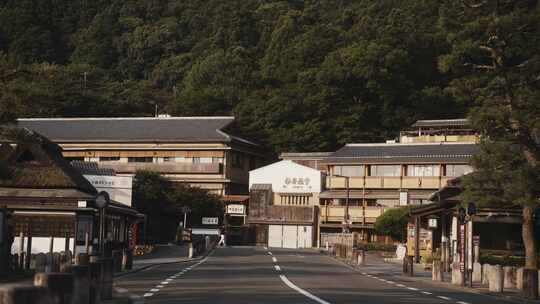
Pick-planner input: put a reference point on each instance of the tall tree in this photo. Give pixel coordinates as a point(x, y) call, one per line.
point(495, 59)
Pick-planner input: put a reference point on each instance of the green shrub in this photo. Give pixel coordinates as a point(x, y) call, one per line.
point(377, 247)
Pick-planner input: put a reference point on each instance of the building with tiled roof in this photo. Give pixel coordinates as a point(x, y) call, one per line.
point(203, 152)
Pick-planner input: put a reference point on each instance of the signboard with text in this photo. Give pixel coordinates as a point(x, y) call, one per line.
point(210, 220)
point(119, 188)
point(235, 209)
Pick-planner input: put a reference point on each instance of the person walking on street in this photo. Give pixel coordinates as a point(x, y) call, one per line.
point(221, 239)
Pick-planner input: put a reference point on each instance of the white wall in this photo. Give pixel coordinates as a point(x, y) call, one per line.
point(288, 177)
point(41, 244)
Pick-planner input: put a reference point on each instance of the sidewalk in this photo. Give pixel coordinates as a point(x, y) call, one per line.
point(376, 264)
point(162, 254)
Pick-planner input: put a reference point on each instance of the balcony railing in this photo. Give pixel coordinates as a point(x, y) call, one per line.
point(172, 168)
point(388, 182)
point(330, 214)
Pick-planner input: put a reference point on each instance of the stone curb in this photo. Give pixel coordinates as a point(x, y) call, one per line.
point(447, 285)
point(124, 273)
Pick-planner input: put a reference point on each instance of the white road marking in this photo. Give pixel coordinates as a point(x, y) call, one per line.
point(426, 292)
point(400, 285)
point(461, 302)
point(363, 273)
point(274, 259)
point(390, 282)
point(277, 267)
point(154, 290)
point(265, 248)
point(164, 282)
point(159, 286)
point(412, 288)
point(300, 290)
point(148, 294)
point(444, 298)
point(168, 280)
point(269, 252)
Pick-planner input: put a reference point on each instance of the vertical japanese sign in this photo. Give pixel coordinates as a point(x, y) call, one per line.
point(462, 247)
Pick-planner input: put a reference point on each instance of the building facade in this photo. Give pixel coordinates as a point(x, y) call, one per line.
point(284, 204)
point(199, 151)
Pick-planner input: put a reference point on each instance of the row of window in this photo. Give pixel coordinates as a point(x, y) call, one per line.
point(148, 159)
point(300, 200)
point(395, 170)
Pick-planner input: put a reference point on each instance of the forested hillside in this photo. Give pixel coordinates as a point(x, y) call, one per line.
point(298, 75)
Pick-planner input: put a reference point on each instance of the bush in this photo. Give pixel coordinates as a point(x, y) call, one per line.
point(377, 247)
point(503, 260)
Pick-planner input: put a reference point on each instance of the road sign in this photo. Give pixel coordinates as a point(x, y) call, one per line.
point(235, 209)
point(210, 220)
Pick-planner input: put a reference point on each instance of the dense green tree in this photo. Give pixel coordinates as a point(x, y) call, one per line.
point(393, 222)
point(162, 201)
point(495, 62)
point(299, 75)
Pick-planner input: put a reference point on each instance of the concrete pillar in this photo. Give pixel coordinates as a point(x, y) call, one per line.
point(81, 284)
point(361, 259)
point(496, 278)
point(408, 268)
point(437, 271)
point(477, 273)
point(519, 278)
point(24, 294)
point(190, 250)
point(509, 277)
point(485, 272)
point(60, 285)
point(127, 259)
point(457, 277)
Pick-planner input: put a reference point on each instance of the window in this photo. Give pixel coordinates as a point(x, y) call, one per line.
point(237, 160)
point(423, 170)
point(298, 200)
point(107, 159)
point(385, 170)
point(218, 160)
point(348, 170)
point(196, 160)
point(140, 159)
point(458, 170)
point(206, 160)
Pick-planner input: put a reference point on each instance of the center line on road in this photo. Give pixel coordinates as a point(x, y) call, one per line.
point(444, 298)
point(148, 294)
point(270, 252)
point(461, 302)
point(154, 290)
point(274, 259)
point(159, 286)
point(412, 288)
point(300, 290)
point(400, 285)
point(426, 292)
point(277, 267)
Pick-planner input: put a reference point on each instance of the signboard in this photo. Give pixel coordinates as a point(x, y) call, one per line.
point(235, 209)
point(119, 188)
point(403, 198)
point(297, 183)
point(469, 245)
point(205, 231)
point(432, 223)
point(462, 248)
point(210, 220)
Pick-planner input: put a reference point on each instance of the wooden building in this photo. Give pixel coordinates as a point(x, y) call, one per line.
point(376, 177)
point(45, 200)
point(200, 151)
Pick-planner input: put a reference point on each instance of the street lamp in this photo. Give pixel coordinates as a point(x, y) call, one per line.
point(102, 201)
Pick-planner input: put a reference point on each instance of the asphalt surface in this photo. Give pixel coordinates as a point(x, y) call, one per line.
point(258, 275)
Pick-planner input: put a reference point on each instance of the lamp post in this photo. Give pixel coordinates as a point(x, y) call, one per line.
point(102, 201)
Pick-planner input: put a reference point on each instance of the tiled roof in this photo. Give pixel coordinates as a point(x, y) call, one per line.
point(304, 155)
point(462, 122)
point(404, 153)
point(139, 129)
point(91, 168)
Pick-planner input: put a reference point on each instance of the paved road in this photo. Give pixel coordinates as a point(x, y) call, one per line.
point(256, 275)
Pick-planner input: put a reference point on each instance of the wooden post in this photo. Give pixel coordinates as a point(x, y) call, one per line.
point(87, 242)
point(66, 244)
point(21, 250)
point(49, 267)
point(28, 251)
point(417, 239)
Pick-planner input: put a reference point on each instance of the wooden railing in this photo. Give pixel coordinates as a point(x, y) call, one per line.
point(211, 168)
point(388, 182)
point(356, 213)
